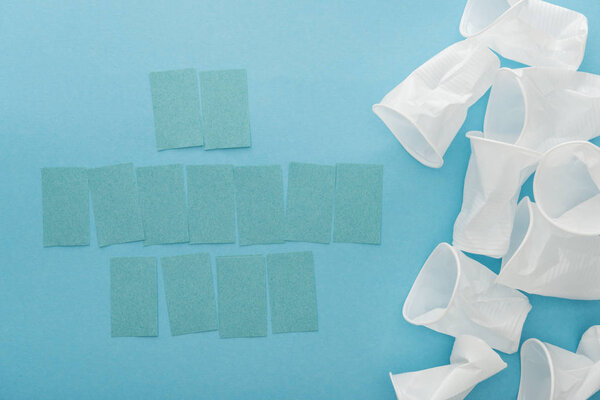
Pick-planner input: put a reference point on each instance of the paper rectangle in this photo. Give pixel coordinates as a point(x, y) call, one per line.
point(358, 197)
point(65, 207)
point(162, 198)
point(259, 204)
point(211, 203)
point(292, 292)
point(309, 207)
point(242, 296)
point(190, 293)
point(133, 297)
point(225, 109)
point(116, 206)
point(176, 106)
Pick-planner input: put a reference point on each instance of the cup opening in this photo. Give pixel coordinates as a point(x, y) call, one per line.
point(536, 372)
point(409, 135)
point(434, 287)
point(505, 115)
point(566, 187)
point(480, 14)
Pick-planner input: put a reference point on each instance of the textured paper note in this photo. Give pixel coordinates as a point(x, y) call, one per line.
point(259, 202)
point(211, 203)
point(309, 207)
point(358, 196)
point(242, 295)
point(65, 207)
point(116, 206)
point(225, 109)
point(162, 198)
point(133, 296)
point(176, 106)
point(190, 293)
point(292, 292)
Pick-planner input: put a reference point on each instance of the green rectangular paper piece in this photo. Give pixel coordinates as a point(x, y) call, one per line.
point(292, 292)
point(211, 203)
point(358, 196)
point(65, 207)
point(242, 296)
point(162, 198)
point(259, 202)
point(309, 208)
point(225, 109)
point(116, 206)
point(133, 297)
point(190, 293)
point(176, 106)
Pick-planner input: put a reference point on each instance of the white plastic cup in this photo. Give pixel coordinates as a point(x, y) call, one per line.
point(539, 108)
point(495, 174)
point(427, 109)
point(549, 372)
point(566, 187)
point(545, 260)
point(471, 362)
point(532, 32)
point(456, 295)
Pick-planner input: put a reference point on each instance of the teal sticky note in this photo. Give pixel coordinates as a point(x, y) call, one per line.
point(211, 204)
point(358, 197)
point(190, 293)
point(259, 204)
point(242, 296)
point(133, 297)
point(65, 207)
point(292, 292)
point(176, 106)
point(162, 199)
point(309, 206)
point(225, 109)
point(116, 206)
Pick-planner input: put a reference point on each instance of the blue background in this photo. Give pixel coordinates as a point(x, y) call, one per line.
point(74, 91)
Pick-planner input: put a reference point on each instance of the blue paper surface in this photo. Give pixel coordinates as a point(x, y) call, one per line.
point(75, 92)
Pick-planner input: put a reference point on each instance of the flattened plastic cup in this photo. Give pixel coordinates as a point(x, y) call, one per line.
point(566, 187)
point(532, 32)
point(426, 110)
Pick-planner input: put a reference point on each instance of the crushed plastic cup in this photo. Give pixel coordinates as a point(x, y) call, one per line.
point(532, 32)
point(456, 295)
point(426, 110)
point(471, 361)
point(539, 108)
point(545, 260)
point(495, 174)
point(549, 372)
point(566, 187)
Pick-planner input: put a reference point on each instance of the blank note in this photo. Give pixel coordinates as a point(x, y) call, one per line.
point(358, 197)
point(162, 198)
point(292, 292)
point(176, 106)
point(225, 109)
point(309, 204)
point(242, 295)
point(189, 290)
point(65, 207)
point(211, 203)
point(133, 296)
point(259, 204)
point(116, 206)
